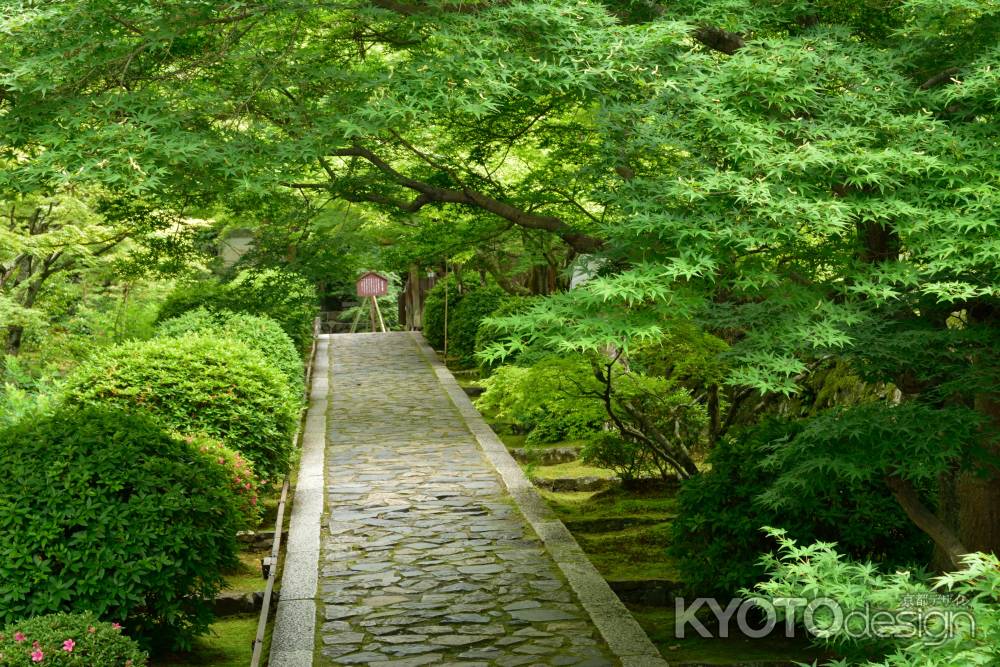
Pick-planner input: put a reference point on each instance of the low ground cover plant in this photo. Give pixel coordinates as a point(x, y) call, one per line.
point(68, 640)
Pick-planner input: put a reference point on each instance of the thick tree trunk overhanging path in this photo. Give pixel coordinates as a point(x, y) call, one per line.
point(432, 548)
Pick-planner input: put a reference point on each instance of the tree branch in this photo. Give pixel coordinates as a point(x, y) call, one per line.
point(945, 76)
point(406, 9)
point(429, 193)
point(927, 521)
point(718, 39)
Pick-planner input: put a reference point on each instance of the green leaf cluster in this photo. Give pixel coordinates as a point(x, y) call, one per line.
point(286, 297)
point(958, 612)
point(716, 537)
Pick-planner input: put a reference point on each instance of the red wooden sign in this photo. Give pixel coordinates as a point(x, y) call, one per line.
point(372, 284)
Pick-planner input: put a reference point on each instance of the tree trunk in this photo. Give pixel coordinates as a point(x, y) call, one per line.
point(14, 335)
point(978, 492)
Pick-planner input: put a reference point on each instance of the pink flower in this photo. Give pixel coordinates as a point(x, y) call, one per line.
point(68, 645)
point(221, 460)
point(37, 656)
point(19, 636)
point(247, 485)
point(91, 629)
point(116, 626)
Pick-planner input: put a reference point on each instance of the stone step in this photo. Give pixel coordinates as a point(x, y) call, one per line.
point(546, 456)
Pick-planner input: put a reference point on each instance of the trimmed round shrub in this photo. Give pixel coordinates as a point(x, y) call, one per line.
point(68, 640)
point(464, 322)
point(240, 477)
point(198, 384)
point(286, 297)
point(196, 320)
point(717, 537)
point(108, 512)
point(258, 332)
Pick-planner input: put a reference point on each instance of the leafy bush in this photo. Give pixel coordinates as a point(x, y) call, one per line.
point(717, 538)
point(198, 384)
point(196, 320)
point(950, 620)
point(546, 400)
point(112, 514)
point(628, 459)
point(207, 293)
point(434, 305)
point(258, 332)
point(286, 297)
point(240, 477)
point(68, 640)
point(464, 323)
point(20, 392)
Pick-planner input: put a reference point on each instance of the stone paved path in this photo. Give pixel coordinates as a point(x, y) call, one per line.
point(425, 560)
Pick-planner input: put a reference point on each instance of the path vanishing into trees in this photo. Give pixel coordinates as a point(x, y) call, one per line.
point(416, 540)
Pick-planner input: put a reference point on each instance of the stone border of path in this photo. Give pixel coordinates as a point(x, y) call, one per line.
point(626, 639)
point(294, 635)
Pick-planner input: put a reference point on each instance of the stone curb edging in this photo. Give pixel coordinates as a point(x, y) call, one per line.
point(294, 632)
point(620, 631)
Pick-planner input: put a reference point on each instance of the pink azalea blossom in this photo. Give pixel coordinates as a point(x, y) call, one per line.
point(37, 656)
point(116, 626)
point(68, 645)
point(19, 636)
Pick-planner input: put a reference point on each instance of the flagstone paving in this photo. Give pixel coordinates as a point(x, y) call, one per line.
point(425, 559)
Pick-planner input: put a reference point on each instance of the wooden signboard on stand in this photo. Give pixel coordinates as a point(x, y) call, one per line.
point(371, 286)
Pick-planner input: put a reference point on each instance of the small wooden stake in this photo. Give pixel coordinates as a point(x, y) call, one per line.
point(378, 311)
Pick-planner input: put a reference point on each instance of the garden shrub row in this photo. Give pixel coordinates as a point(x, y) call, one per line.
point(132, 485)
point(113, 514)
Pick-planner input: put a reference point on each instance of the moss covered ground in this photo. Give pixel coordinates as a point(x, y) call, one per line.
point(228, 645)
point(626, 533)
